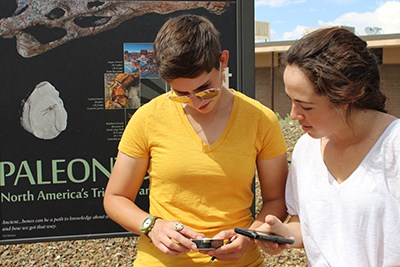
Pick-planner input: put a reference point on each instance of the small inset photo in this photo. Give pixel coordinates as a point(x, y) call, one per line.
point(122, 90)
point(139, 58)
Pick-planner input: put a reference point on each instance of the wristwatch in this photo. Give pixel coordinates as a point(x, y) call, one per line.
point(148, 224)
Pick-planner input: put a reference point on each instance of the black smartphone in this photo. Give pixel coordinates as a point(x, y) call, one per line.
point(266, 236)
point(208, 243)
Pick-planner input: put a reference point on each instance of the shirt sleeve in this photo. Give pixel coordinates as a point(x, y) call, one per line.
point(134, 141)
point(291, 193)
point(273, 141)
point(292, 186)
point(391, 153)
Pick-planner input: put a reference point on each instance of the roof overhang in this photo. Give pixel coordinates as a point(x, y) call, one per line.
point(373, 41)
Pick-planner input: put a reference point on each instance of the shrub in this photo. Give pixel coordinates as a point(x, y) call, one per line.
point(292, 132)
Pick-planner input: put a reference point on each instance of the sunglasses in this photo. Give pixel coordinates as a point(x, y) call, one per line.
point(203, 95)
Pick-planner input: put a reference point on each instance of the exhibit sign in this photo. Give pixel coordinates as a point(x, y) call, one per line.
point(73, 73)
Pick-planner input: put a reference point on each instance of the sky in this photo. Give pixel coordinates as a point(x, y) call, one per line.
point(290, 19)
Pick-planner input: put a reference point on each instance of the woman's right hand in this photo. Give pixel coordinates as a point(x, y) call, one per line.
point(273, 224)
point(170, 240)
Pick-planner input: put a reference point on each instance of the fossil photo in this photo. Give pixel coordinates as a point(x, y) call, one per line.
point(43, 113)
point(41, 25)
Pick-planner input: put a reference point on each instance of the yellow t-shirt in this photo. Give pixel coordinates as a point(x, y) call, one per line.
point(206, 187)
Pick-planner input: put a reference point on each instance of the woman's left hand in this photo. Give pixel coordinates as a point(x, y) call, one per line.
point(233, 250)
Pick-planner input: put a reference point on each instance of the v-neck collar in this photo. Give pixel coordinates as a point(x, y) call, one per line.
point(332, 179)
point(207, 148)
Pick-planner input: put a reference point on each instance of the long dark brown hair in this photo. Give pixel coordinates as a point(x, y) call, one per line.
point(340, 66)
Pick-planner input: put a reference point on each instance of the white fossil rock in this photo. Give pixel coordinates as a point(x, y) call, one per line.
point(64, 20)
point(43, 113)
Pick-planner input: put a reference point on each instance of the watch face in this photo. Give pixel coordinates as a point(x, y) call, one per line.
point(147, 223)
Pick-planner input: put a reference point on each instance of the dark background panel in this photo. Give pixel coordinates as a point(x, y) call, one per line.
point(76, 69)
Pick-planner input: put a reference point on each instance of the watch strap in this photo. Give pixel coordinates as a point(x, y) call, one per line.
point(145, 229)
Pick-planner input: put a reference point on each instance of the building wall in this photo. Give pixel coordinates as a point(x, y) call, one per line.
point(263, 60)
point(391, 55)
point(280, 103)
point(390, 84)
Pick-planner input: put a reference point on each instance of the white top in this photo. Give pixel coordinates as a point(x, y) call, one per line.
point(357, 222)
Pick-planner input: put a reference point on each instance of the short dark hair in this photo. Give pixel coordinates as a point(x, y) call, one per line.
point(186, 46)
point(340, 66)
